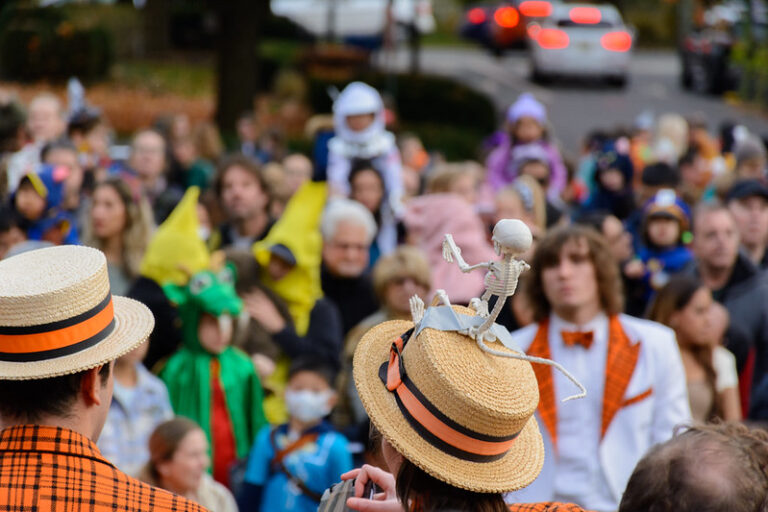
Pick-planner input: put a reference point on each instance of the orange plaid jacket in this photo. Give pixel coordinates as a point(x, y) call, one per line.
point(51, 468)
point(549, 506)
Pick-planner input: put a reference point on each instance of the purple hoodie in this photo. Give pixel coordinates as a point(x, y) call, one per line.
point(503, 161)
point(502, 171)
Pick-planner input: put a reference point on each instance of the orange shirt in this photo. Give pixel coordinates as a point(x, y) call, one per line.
point(546, 507)
point(51, 468)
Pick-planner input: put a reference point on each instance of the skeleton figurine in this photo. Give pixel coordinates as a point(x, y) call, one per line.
point(511, 238)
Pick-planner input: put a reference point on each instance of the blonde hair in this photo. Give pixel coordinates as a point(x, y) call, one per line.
point(674, 128)
point(535, 206)
point(139, 225)
point(406, 260)
point(208, 141)
point(441, 180)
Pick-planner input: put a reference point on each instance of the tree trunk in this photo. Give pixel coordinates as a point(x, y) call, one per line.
point(240, 23)
point(157, 26)
point(414, 44)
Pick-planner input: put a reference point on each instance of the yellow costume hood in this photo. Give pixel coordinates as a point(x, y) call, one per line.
point(176, 251)
point(299, 230)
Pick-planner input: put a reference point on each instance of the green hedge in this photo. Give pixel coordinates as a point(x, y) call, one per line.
point(752, 63)
point(453, 142)
point(42, 44)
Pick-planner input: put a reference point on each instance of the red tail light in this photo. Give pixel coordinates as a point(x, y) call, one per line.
point(533, 30)
point(536, 8)
point(616, 41)
point(552, 39)
point(476, 16)
point(586, 15)
point(506, 17)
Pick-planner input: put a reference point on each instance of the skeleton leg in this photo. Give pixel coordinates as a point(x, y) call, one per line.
point(441, 297)
point(494, 314)
point(480, 306)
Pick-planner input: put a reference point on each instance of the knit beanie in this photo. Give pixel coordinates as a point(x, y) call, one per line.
point(527, 106)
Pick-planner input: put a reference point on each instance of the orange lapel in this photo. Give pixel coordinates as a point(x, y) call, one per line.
point(619, 367)
point(547, 407)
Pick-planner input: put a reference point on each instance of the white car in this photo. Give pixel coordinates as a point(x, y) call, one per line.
point(581, 40)
point(355, 18)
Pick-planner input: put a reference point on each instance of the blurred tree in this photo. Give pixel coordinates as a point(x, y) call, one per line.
point(157, 17)
point(240, 23)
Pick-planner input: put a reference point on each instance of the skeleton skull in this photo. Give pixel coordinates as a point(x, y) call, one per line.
point(511, 236)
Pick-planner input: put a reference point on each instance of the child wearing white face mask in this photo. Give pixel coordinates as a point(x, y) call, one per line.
point(291, 465)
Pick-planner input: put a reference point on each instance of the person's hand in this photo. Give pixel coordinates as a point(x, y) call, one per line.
point(265, 366)
point(634, 269)
point(385, 501)
point(263, 310)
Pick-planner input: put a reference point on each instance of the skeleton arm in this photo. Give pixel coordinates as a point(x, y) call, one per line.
point(451, 251)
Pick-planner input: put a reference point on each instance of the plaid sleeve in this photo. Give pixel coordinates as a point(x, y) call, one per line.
point(546, 507)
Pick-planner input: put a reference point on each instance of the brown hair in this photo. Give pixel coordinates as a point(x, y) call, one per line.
point(674, 297)
point(428, 494)
point(243, 162)
point(547, 255)
point(139, 225)
point(403, 261)
point(208, 141)
point(705, 208)
point(164, 442)
point(705, 468)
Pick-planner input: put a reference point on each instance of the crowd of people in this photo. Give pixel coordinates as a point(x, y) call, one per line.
point(268, 272)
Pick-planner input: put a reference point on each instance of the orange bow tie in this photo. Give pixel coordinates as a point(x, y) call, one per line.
point(583, 338)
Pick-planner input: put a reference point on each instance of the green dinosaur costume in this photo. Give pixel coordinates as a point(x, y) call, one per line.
point(190, 373)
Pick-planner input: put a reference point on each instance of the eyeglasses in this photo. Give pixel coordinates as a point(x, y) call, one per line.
point(348, 247)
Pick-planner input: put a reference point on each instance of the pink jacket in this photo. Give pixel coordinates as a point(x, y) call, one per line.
point(428, 218)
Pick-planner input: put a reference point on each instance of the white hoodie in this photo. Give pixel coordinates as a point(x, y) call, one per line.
point(374, 143)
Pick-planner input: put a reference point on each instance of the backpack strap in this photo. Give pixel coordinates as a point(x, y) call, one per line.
point(277, 461)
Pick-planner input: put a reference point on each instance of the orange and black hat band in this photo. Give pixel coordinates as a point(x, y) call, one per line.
point(57, 339)
point(430, 423)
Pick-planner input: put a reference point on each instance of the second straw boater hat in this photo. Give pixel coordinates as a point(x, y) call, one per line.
point(58, 315)
point(463, 415)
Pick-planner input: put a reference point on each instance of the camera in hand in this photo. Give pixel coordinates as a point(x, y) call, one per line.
point(335, 498)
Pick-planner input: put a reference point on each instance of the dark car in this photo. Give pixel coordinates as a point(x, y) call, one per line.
point(500, 26)
point(705, 62)
point(705, 53)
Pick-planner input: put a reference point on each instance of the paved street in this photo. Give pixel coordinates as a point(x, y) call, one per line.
point(576, 108)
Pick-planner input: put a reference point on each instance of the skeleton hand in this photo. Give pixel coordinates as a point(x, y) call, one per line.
point(449, 247)
point(417, 309)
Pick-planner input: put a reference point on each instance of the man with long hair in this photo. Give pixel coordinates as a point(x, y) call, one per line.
point(631, 369)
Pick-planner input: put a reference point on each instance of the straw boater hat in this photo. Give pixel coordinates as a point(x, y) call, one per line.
point(461, 414)
point(58, 316)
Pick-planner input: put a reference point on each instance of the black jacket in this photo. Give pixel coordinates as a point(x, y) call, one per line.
point(166, 336)
point(322, 341)
point(353, 296)
point(745, 296)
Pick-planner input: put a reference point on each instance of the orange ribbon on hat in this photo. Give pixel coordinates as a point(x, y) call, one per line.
point(56, 339)
point(430, 423)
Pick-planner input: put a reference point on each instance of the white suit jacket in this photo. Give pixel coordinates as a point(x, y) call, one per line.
point(655, 401)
